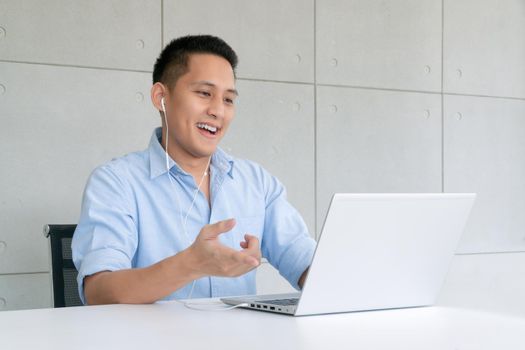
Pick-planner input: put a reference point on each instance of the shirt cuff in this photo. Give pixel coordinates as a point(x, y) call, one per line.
point(298, 258)
point(97, 261)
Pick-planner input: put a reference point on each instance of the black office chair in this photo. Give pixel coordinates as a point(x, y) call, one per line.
point(65, 287)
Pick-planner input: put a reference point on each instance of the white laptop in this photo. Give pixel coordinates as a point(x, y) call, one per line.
point(376, 251)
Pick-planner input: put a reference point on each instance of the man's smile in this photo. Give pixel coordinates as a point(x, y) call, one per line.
point(208, 129)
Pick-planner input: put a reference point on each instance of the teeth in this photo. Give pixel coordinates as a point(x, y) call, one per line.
point(207, 127)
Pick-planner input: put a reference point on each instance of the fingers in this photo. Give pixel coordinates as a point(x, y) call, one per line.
point(217, 259)
point(212, 231)
point(251, 261)
point(251, 249)
point(246, 259)
point(252, 242)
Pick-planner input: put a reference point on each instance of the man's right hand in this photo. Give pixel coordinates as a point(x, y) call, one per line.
point(205, 257)
point(208, 257)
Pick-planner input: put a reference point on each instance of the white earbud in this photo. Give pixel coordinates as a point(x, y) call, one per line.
point(163, 105)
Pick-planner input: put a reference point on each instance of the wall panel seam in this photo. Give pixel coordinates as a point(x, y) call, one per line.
point(315, 84)
point(315, 122)
point(442, 97)
point(274, 81)
point(76, 66)
point(161, 24)
point(419, 91)
point(25, 273)
point(485, 96)
point(379, 89)
point(492, 253)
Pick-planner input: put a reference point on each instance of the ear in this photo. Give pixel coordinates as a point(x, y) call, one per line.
point(158, 91)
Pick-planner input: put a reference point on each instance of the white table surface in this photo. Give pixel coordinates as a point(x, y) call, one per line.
point(172, 326)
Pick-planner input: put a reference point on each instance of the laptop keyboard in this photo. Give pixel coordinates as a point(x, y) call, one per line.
point(291, 301)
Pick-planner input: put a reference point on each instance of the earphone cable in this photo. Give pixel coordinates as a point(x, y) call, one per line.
point(186, 303)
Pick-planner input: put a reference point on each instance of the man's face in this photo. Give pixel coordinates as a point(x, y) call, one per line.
point(200, 107)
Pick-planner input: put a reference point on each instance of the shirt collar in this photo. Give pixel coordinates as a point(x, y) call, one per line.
point(220, 160)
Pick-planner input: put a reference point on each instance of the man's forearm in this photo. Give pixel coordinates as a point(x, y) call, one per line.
point(205, 257)
point(139, 286)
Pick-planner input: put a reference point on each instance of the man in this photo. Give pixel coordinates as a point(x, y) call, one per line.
point(183, 218)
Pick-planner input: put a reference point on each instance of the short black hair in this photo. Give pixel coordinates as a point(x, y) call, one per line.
point(173, 60)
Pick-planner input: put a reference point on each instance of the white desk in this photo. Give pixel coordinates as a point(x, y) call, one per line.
point(172, 326)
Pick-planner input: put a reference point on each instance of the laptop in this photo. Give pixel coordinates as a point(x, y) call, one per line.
point(376, 251)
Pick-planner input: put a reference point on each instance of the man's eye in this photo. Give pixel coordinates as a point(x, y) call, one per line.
point(204, 93)
point(229, 101)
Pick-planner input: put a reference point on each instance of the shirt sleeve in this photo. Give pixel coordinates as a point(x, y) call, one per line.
point(286, 242)
point(106, 235)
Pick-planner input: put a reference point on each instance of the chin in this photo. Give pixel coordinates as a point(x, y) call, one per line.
point(204, 152)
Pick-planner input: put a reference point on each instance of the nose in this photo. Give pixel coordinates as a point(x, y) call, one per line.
point(216, 107)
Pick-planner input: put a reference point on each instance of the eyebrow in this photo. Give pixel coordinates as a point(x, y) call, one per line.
point(210, 84)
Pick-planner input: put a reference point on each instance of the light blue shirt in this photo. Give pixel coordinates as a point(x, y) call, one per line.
point(130, 218)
